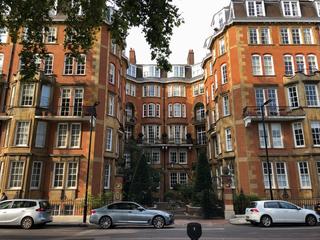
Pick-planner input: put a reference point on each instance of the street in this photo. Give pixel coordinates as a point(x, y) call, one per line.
point(216, 232)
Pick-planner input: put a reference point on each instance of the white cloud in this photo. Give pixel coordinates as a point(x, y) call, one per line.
point(191, 35)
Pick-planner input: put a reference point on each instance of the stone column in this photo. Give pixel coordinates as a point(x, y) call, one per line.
point(227, 194)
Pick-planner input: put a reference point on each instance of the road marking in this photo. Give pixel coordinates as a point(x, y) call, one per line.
point(289, 228)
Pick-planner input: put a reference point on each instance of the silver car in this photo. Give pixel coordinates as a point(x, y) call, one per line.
point(25, 212)
point(129, 213)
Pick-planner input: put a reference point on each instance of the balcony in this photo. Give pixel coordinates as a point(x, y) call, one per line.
point(149, 141)
point(198, 120)
point(65, 113)
point(179, 141)
point(131, 120)
point(272, 114)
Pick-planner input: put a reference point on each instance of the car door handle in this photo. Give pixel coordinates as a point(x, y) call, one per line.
point(130, 212)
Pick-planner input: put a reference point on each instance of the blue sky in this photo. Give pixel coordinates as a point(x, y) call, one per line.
point(191, 35)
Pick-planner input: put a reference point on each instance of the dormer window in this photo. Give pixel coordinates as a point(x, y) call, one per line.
point(291, 8)
point(255, 8)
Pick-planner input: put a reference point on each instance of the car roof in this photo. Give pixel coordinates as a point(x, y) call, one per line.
point(124, 202)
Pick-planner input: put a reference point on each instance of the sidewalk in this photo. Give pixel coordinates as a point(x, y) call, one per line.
point(75, 221)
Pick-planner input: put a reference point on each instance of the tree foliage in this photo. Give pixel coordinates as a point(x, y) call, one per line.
point(140, 180)
point(28, 22)
point(204, 195)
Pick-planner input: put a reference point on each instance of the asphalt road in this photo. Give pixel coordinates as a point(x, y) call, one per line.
point(218, 232)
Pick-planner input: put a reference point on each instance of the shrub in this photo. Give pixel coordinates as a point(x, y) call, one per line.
point(242, 201)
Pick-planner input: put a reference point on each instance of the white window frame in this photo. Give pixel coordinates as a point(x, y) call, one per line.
point(222, 46)
point(291, 8)
point(109, 133)
point(224, 74)
point(25, 138)
point(285, 174)
point(19, 173)
point(112, 73)
point(255, 8)
point(59, 145)
point(36, 175)
point(106, 176)
point(314, 102)
point(256, 65)
point(298, 126)
point(305, 175)
point(51, 35)
point(111, 104)
point(27, 94)
point(293, 97)
point(226, 105)
point(291, 62)
point(312, 64)
point(315, 133)
point(72, 145)
point(45, 96)
point(54, 175)
point(298, 62)
point(68, 67)
point(308, 36)
point(266, 175)
point(276, 139)
point(80, 67)
point(228, 139)
point(41, 134)
point(48, 64)
point(268, 69)
point(72, 183)
point(261, 135)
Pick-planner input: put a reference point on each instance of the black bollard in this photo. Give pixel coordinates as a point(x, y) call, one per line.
point(194, 230)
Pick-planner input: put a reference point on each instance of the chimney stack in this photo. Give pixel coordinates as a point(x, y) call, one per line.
point(132, 56)
point(190, 59)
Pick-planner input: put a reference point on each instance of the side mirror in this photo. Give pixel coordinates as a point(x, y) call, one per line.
point(140, 209)
point(298, 208)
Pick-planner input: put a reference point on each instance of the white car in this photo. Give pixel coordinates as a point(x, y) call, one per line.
point(25, 212)
point(276, 211)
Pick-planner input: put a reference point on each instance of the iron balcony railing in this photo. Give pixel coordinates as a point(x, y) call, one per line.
point(273, 111)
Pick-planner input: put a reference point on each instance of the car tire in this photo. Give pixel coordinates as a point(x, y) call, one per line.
point(311, 220)
point(27, 223)
point(158, 222)
point(266, 221)
point(105, 222)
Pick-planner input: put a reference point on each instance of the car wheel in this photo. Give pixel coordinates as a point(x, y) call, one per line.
point(266, 221)
point(27, 223)
point(311, 220)
point(158, 222)
point(105, 222)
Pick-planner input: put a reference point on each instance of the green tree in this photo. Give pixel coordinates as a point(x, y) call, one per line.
point(140, 180)
point(157, 19)
point(204, 195)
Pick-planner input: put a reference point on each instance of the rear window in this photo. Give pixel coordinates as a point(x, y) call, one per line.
point(24, 204)
point(45, 205)
point(253, 204)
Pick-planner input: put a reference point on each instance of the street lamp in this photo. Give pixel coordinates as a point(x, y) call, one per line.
point(93, 115)
point(266, 145)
